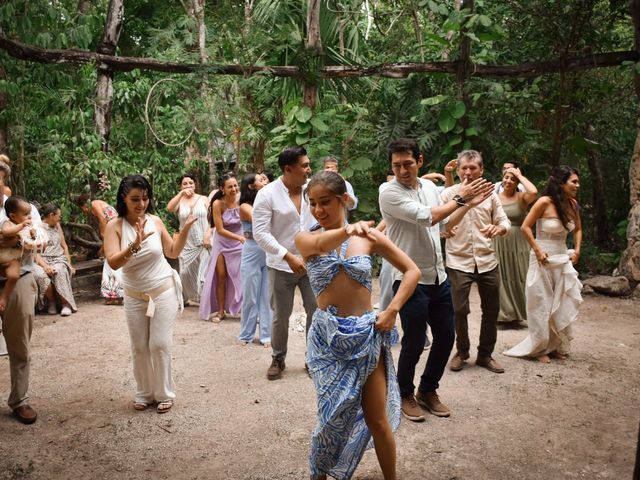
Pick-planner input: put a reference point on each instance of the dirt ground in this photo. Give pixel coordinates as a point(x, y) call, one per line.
point(577, 419)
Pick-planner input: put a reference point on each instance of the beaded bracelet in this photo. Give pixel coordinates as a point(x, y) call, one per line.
point(133, 249)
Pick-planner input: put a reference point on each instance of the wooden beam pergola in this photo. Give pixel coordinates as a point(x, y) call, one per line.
point(27, 52)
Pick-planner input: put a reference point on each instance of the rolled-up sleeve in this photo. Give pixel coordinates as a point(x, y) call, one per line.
point(262, 213)
point(398, 206)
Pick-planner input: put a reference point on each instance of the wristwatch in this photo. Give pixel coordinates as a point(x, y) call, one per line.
point(459, 200)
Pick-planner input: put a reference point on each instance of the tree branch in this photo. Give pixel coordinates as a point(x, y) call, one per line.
point(392, 70)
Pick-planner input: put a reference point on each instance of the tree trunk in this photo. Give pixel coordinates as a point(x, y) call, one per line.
point(602, 237)
point(104, 81)
point(630, 261)
point(464, 67)
point(314, 51)
point(198, 11)
point(4, 129)
point(416, 27)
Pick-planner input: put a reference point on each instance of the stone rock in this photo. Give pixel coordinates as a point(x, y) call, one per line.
point(636, 293)
point(614, 286)
point(587, 290)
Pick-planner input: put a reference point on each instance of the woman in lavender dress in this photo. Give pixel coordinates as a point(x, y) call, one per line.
point(222, 290)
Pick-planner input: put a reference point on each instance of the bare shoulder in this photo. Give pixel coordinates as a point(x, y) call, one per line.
point(114, 226)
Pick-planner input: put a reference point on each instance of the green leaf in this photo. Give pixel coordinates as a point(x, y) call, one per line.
point(301, 139)
point(446, 122)
point(488, 36)
point(458, 110)
point(304, 114)
point(472, 36)
point(433, 6)
point(451, 25)
point(361, 163)
point(454, 141)
point(437, 38)
point(318, 124)
point(484, 20)
point(303, 128)
point(433, 100)
point(471, 132)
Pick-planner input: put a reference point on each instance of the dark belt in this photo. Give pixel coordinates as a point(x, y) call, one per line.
point(248, 235)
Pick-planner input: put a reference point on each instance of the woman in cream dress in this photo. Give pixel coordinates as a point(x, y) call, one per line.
point(195, 254)
point(552, 288)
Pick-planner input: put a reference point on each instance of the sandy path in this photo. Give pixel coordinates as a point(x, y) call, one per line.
point(574, 420)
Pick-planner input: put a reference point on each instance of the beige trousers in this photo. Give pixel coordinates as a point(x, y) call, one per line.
point(17, 324)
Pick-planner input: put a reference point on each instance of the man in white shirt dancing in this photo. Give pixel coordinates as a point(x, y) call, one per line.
point(280, 211)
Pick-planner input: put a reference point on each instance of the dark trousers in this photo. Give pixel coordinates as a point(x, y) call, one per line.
point(429, 305)
point(489, 290)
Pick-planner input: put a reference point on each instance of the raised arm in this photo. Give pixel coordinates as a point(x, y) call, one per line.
point(319, 243)
point(531, 192)
point(172, 246)
point(449, 168)
point(174, 203)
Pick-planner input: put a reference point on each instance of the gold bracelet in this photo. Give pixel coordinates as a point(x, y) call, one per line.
point(133, 249)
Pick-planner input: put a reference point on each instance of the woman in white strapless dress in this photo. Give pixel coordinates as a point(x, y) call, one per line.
point(552, 287)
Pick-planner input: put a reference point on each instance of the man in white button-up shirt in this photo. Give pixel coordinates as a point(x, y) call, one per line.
point(280, 211)
point(413, 212)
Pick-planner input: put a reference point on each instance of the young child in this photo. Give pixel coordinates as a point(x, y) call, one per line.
point(17, 225)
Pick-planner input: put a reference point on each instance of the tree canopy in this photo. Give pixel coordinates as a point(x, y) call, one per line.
point(542, 82)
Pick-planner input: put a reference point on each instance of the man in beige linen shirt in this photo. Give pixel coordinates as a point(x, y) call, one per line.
point(471, 258)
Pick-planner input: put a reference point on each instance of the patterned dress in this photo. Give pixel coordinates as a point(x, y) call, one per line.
point(194, 258)
point(55, 257)
point(111, 284)
point(341, 354)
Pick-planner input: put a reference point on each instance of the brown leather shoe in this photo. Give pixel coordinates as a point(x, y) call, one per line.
point(490, 364)
point(458, 361)
point(431, 403)
point(275, 369)
point(410, 409)
point(25, 414)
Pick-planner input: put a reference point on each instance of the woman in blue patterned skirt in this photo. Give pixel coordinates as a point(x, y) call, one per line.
point(349, 346)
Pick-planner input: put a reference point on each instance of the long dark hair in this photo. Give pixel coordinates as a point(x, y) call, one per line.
point(248, 194)
point(219, 194)
point(559, 176)
point(127, 184)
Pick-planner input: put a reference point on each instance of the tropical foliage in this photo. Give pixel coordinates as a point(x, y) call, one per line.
point(165, 124)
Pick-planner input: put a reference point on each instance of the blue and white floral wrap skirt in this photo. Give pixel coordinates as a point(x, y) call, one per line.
point(341, 354)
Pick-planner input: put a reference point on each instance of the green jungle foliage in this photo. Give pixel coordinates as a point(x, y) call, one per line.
point(538, 121)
